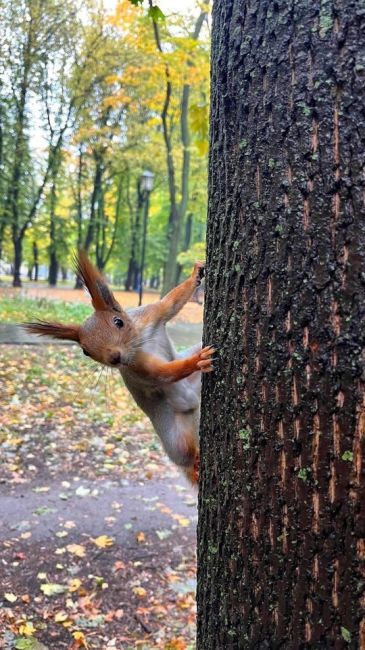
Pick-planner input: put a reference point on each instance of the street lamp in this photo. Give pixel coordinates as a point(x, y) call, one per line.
point(146, 186)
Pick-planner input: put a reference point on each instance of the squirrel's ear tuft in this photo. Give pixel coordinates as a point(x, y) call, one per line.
point(101, 296)
point(56, 330)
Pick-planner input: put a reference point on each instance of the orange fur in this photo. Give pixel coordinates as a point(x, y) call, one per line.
point(149, 366)
point(102, 297)
point(56, 330)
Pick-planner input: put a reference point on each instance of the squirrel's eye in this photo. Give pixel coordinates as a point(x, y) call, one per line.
point(86, 353)
point(118, 322)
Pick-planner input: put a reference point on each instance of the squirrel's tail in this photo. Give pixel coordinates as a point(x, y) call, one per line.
point(192, 472)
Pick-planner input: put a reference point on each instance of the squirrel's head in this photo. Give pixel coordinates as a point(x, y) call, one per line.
point(108, 335)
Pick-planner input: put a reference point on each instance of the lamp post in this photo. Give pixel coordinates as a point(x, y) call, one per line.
point(146, 189)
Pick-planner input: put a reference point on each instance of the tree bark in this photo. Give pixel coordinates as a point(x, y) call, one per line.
point(281, 526)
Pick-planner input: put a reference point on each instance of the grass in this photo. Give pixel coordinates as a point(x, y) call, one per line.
point(14, 309)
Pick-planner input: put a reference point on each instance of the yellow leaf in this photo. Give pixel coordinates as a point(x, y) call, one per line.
point(183, 521)
point(80, 639)
point(140, 592)
point(74, 584)
point(140, 537)
point(26, 628)
point(76, 549)
point(10, 597)
point(103, 541)
point(61, 617)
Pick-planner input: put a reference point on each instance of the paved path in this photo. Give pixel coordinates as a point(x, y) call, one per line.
point(89, 503)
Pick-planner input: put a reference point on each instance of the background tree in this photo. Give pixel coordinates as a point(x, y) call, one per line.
point(31, 31)
point(282, 495)
point(75, 141)
point(178, 190)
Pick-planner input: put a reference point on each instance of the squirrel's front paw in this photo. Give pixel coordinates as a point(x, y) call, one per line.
point(198, 272)
point(205, 361)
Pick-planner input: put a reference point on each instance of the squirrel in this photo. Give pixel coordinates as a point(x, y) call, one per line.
point(164, 384)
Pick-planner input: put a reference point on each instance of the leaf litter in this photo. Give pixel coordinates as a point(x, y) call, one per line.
point(80, 569)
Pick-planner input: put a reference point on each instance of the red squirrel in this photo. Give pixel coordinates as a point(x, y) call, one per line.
point(164, 383)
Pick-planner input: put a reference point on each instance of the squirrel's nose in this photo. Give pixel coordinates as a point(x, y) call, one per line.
point(115, 358)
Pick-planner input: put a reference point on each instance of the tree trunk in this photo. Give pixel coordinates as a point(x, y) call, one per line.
point(281, 504)
point(35, 261)
point(18, 256)
point(133, 265)
point(95, 196)
point(53, 261)
point(53, 269)
point(186, 245)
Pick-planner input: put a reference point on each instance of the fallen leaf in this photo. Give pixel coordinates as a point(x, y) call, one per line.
point(52, 589)
point(163, 534)
point(10, 597)
point(82, 491)
point(175, 644)
point(140, 537)
point(80, 639)
point(26, 629)
point(74, 584)
point(29, 644)
point(140, 592)
point(103, 541)
point(76, 549)
point(26, 535)
point(119, 565)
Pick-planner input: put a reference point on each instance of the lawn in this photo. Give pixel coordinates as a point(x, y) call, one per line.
point(97, 528)
point(18, 305)
point(17, 309)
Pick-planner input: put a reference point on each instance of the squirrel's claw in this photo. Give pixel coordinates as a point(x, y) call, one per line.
point(205, 362)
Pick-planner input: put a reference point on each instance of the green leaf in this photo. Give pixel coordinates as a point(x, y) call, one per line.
point(156, 14)
point(346, 634)
point(52, 589)
point(29, 644)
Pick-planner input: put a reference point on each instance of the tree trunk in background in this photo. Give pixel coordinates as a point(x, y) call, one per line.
point(186, 244)
point(53, 260)
point(282, 496)
point(177, 206)
point(131, 282)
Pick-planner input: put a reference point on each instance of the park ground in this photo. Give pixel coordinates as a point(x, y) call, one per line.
point(97, 527)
